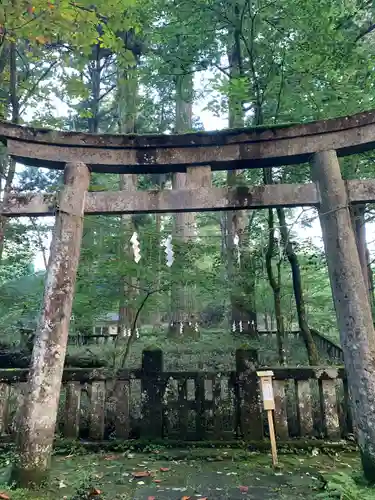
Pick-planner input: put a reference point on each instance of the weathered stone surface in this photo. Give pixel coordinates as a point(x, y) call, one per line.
point(281, 417)
point(228, 149)
point(152, 393)
point(4, 395)
point(72, 409)
point(251, 424)
point(351, 302)
point(122, 409)
point(97, 410)
point(217, 402)
point(305, 407)
point(361, 191)
point(330, 407)
point(187, 200)
point(37, 425)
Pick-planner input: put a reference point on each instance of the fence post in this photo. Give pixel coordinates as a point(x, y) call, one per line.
point(72, 409)
point(122, 400)
point(4, 402)
point(152, 394)
point(249, 403)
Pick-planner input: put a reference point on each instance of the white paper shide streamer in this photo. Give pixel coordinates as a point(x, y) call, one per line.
point(135, 245)
point(167, 243)
point(236, 241)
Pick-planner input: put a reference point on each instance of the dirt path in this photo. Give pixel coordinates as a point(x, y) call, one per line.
point(190, 476)
point(232, 483)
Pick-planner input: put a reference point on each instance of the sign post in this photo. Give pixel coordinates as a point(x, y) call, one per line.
point(269, 405)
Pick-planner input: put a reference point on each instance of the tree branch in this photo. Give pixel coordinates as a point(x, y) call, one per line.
point(365, 32)
point(112, 87)
point(40, 241)
point(134, 326)
point(36, 84)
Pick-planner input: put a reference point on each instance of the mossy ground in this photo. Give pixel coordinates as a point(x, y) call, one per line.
point(216, 477)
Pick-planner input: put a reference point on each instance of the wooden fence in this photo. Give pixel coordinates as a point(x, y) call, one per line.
point(150, 403)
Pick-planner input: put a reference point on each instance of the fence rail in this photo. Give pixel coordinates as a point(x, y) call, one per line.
point(151, 403)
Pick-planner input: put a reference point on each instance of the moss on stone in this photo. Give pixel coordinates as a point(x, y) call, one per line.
point(368, 465)
point(28, 478)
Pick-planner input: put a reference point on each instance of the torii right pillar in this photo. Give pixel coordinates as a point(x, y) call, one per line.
point(351, 301)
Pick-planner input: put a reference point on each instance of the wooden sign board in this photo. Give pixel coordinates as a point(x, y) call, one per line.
point(265, 378)
point(267, 389)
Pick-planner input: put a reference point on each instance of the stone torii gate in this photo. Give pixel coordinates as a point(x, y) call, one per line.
point(319, 143)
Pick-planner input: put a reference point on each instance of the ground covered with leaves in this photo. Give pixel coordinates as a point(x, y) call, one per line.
point(191, 475)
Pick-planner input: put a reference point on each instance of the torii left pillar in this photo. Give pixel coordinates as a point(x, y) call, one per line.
point(38, 419)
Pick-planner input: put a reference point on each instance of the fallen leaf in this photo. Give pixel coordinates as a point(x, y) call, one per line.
point(151, 498)
point(4, 496)
point(157, 480)
point(244, 489)
point(110, 457)
point(95, 492)
point(185, 498)
point(41, 39)
point(164, 469)
point(142, 473)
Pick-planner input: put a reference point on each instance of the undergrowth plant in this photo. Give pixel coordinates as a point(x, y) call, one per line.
point(345, 487)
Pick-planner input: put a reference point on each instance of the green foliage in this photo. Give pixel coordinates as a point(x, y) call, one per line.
point(86, 487)
point(276, 63)
point(343, 486)
point(74, 22)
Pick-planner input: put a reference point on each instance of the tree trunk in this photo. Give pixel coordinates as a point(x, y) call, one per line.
point(37, 425)
point(350, 298)
point(312, 351)
point(127, 110)
point(183, 307)
point(243, 317)
point(11, 164)
point(4, 77)
point(275, 284)
point(4, 61)
point(128, 292)
point(359, 227)
point(157, 315)
point(95, 72)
